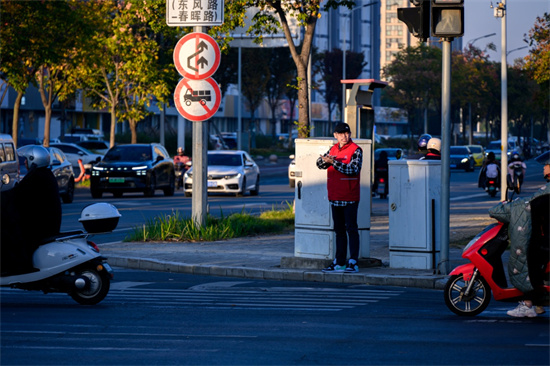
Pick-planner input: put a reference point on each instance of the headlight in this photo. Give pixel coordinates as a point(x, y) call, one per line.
point(464, 161)
point(238, 175)
point(187, 175)
point(97, 168)
point(139, 167)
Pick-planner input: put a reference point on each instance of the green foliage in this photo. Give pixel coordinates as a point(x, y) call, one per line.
point(177, 228)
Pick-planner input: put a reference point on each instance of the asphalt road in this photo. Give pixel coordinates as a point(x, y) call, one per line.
point(152, 318)
point(136, 210)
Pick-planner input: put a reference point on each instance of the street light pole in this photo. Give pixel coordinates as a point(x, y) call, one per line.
point(478, 38)
point(516, 49)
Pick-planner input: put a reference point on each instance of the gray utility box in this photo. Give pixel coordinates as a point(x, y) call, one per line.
point(314, 234)
point(414, 213)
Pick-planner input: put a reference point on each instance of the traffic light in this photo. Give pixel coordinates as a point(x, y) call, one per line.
point(447, 18)
point(417, 19)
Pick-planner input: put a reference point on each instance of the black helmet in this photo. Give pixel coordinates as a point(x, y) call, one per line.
point(423, 142)
point(491, 156)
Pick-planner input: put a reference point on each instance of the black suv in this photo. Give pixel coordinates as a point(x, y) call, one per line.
point(134, 168)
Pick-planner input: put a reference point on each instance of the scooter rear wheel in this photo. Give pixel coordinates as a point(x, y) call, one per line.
point(97, 287)
point(470, 305)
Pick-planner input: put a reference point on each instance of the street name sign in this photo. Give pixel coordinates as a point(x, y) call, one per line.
point(193, 13)
point(197, 56)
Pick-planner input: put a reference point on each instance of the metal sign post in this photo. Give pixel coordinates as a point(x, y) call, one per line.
point(197, 96)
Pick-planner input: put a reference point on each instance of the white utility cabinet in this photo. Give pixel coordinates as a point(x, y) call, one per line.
point(314, 234)
point(414, 213)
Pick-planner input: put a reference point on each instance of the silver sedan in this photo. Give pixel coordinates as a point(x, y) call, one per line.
point(229, 171)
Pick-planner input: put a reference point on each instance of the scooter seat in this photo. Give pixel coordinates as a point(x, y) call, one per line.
point(61, 235)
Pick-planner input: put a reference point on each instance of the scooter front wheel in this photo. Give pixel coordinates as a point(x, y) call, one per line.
point(467, 305)
point(97, 287)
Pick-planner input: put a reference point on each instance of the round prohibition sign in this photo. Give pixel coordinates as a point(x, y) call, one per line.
point(197, 100)
point(197, 56)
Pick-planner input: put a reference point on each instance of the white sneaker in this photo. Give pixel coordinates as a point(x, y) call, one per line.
point(522, 311)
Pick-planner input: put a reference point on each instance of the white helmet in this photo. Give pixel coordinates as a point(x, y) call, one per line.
point(37, 156)
point(434, 144)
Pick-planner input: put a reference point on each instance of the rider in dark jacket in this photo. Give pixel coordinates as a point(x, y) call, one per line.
point(34, 202)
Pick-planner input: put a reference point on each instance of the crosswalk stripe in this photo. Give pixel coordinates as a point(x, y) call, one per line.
point(304, 299)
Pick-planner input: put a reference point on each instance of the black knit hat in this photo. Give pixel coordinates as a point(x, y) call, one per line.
point(341, 127)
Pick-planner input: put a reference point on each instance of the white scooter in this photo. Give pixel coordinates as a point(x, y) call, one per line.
point(70, 263)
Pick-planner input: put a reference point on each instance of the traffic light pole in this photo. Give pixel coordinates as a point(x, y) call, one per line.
point(504, 106)
point(443, 265)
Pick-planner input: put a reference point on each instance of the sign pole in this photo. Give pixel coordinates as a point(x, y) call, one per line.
point(200, 163)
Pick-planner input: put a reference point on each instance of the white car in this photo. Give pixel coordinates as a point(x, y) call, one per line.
point(229, 171)
point(74, 152)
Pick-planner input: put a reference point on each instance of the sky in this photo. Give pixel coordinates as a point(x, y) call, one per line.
point(479, 20)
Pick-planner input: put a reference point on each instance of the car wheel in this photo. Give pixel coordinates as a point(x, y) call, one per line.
point(256, 189)
point(243, 189)
point(150, 189)
point(68, 196)
point(169, 191)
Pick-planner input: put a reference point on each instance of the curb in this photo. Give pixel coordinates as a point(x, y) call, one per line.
point(419, 281)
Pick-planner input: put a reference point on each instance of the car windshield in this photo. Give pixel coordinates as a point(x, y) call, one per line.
point(475, 149)
point(494, 146)
point(128, 153)
point(225, 159)
point(459, 150)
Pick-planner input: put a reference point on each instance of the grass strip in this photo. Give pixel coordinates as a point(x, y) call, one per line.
point(174, 227)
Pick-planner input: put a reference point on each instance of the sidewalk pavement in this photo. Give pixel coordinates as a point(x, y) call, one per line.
point(272, 257)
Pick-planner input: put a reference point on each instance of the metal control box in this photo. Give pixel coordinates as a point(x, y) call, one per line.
point(414, 213)
point(314, 234)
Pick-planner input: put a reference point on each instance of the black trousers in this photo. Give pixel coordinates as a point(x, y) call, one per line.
point(345, 226)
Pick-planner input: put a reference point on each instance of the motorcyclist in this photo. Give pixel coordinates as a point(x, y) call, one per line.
point(515, 161)
point(421, 144)
point(180, 158)
point(434, 149)
point(490, 169)
point(31, 211)
point(528, 230)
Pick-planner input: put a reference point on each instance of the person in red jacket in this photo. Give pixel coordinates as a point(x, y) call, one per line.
point(343, 164)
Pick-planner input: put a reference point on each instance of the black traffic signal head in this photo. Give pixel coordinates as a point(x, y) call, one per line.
point(417, 19)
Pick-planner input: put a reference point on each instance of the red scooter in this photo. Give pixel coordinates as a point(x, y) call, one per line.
point(468, 290)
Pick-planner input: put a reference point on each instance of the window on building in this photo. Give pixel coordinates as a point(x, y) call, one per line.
point(391, 17)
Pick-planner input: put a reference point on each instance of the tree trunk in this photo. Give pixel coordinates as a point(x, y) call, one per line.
point(113, 125)
point(133, 127)
point(47, 103)
point(15, 122)
point(47, 124)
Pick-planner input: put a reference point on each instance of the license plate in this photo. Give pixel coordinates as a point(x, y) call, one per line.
point(212, 184)
point(116, 180)
point(107, 267)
